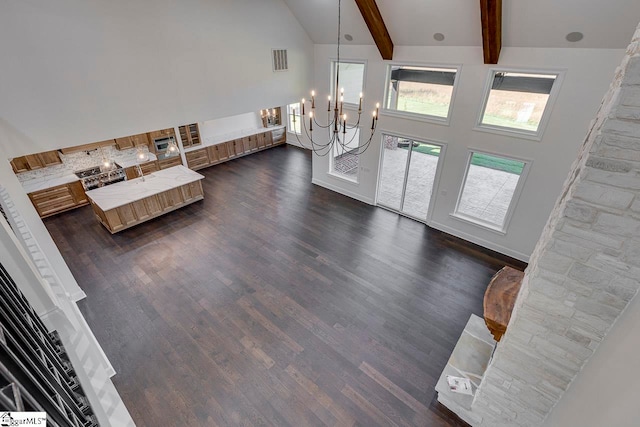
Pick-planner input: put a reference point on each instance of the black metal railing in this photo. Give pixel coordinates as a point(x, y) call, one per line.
point(36, 370)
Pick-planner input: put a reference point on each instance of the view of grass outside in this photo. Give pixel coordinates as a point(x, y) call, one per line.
point(422, 98)
point(515, 110)
point(477, 159)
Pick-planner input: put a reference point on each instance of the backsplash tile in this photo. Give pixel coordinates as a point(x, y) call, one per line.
point(78, 161)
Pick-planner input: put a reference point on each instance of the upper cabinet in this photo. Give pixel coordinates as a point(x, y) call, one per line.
point(88, 147)
point(35, 161)
point(190, 135)
point(160, 133)
point(132, 141)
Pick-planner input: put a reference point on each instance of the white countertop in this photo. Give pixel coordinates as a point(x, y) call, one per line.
point(115, 195)
point(217, 139)
point(125, 163)
point(48, 182)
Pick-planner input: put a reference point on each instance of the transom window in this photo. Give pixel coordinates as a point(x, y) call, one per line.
point(423, 91)
point(518, 102)
point(351, 79)
point(490, 188)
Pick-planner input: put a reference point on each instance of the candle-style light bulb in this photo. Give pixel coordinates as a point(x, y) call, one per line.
point(310, 121)
point(313, 93)
point(341, 91)
point(360, 103)
point(329, 103)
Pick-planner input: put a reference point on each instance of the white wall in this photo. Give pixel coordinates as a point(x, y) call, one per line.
point(599, 396)
point(217, 127)
point(75, 72)
point(588, 74)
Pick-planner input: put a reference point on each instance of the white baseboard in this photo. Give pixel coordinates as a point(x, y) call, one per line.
point(342, 191)
point(478, 241)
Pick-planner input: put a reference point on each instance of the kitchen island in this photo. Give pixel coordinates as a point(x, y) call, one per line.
point(128, 203)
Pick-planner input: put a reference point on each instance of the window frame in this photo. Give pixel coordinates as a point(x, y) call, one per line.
point(330, 172)
point(417, 116)
point(514, 199)
point(292, 129)
point(546, 115)
point(332, 80)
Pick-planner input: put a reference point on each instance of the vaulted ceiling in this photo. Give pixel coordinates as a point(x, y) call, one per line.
point(541, 23)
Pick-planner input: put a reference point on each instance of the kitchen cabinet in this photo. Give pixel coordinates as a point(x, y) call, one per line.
point(213, 154)
point(126, 204)
point(58, 199)
point(35, 161)
point(161, 133)
point(170, 162)
point(238, 144)
point(190, 135)
point(197, 159)
point(279, 136)
point(132, 141)
point(146, 168)
point(88, 147)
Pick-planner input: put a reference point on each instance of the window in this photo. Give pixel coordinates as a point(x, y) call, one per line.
point(518, 102)
point(489, 189)
point(293, 111)
point(344, 162)
point(351, 79)
point(425, 91)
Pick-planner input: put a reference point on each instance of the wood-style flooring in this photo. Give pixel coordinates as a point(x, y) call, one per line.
point(274, 302)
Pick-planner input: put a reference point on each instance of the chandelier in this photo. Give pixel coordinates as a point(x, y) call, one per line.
point(341, 136)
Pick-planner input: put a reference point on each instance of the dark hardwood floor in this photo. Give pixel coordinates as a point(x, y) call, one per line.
point(276, 302)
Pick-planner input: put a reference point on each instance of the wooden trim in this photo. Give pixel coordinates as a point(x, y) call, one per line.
point(377, 28)
point(491, 16)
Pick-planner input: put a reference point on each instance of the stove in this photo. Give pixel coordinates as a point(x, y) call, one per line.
point(96, 177)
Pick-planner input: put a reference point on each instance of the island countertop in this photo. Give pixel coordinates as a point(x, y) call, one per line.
point(122, 193)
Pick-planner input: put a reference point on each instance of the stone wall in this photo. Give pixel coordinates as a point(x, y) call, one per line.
point(584, 270)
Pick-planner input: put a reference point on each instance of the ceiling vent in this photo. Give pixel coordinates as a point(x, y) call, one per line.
point(279, 59)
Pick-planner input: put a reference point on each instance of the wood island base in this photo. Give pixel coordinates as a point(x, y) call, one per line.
point(147, 208)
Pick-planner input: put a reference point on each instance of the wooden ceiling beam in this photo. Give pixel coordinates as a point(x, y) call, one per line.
point(375, 23)
point(491, 15)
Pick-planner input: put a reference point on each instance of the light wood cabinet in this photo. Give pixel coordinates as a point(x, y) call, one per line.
point(142, 210)
point(35, 161)
point(238, 144)
point(58, 199)
point(213, 154)
point(170, 162)
point(88, 147)
point(132, 141)
point(197, 159)
point(149, 167)
point(190, 135)
point(146, 168)
point(161, 133)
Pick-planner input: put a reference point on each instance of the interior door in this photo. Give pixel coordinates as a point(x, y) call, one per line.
point(407, 175)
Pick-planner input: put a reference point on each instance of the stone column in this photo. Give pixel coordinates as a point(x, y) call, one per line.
point(584, 271)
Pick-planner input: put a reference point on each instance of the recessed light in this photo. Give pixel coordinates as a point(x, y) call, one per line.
point(438, 36)
point(348, 37)
point(575, 36)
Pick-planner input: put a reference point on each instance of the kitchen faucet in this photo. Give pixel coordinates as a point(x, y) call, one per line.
point(140, 171)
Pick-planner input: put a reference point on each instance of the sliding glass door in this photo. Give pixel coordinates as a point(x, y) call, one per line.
point(407, 175)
